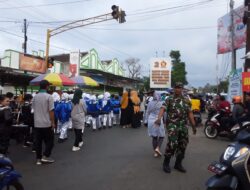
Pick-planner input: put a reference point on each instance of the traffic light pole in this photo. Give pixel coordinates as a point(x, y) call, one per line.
point(72, 25)
point(233, 61)
point(47, 48)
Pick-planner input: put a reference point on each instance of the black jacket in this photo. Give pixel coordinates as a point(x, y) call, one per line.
point(27, 116)
point(6, 117)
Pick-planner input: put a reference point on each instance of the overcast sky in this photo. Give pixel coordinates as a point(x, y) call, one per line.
point(152, 26)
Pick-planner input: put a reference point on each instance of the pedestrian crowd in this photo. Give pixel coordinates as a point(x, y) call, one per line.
point(45, 115)
point(38, 118)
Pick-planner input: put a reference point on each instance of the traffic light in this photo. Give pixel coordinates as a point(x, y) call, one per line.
point(122, 17)
point(51, 62)
point(115, 12)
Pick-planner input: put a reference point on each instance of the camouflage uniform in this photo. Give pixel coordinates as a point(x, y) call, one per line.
point(177, 109)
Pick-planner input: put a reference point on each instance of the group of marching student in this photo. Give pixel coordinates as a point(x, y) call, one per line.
point(76, 111)
point(49, 113)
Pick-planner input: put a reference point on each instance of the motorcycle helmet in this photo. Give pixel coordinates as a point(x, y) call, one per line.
point(237, 99)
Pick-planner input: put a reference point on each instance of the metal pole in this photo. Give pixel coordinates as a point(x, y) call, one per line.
point(233, 67)
point(47, 48)
point(25, 36)
point(247, 61)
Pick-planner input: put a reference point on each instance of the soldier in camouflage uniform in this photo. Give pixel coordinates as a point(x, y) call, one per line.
point(178, 110)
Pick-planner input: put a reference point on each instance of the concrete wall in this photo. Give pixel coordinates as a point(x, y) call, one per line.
point(10, 59)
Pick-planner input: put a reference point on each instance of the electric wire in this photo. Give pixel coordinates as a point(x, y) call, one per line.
point(16, 35)
point(43, 5)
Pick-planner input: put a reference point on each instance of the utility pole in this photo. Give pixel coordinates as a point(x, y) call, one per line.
point(233, 61)
point(247, 61)
point(25, 36)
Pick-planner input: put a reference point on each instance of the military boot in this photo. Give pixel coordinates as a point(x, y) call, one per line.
point(166, 167)
point(178, 164)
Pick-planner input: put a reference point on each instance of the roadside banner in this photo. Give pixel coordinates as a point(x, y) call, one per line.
point(235, 86)
point(74, 64)
point(160, 73)
point(246, 81)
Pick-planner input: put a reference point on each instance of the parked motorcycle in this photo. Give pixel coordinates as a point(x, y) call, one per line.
point(232, 172)
point(9, 178)
point(219, 125)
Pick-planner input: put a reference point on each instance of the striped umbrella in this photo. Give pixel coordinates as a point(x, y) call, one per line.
point(84, 81)
point(54, 78)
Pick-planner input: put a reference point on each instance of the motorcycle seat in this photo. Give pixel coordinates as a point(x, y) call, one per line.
point(244, 137)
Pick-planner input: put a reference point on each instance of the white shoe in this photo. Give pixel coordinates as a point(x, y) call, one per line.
point(75, 148)
point(38, 162)
point(80, 144)
point(47, 160)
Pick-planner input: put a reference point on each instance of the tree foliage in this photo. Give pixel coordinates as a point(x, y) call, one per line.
point(134, 67)
point(221, 87)
point(178, 73)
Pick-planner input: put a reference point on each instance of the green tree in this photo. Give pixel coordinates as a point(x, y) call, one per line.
point(178, 73)
point(146, 83)
point(223, 86)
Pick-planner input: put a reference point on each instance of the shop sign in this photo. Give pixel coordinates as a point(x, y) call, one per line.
point(246, 82)
point(32, 64)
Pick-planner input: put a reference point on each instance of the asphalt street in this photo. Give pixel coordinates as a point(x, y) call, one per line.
point(116, 159)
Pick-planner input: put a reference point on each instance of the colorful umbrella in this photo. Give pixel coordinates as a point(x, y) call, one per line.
point(54, 78)
point(84, 81)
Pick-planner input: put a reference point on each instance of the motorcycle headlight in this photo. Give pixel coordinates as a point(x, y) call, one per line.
point(241, 152)
point(228, 153)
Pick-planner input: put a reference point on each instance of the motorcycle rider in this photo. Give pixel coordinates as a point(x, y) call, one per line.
point(238, 109)
point(195, 105)
point(225, 112)
point(247, 105)
point(216, 102)
point(224, 105)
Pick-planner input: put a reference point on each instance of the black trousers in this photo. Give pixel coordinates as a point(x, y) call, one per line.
point(157, 141)
point(45, 135)
point(78, 137)
point(4, 140)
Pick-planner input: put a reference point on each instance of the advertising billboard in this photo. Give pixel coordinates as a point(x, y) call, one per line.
point(32, 64)
point(160, 73)
point(74, 63)
point(224, 31)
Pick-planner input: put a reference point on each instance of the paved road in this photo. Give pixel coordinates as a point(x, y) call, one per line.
point(116, 159)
